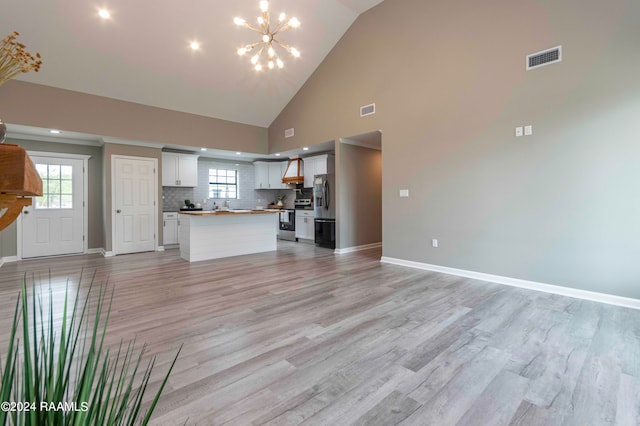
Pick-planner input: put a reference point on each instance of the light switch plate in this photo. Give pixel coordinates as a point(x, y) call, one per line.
point(528, 130)
point(518, 131)
point(404, 193)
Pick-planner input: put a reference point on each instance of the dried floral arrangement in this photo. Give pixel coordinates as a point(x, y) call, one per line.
point(14, 59)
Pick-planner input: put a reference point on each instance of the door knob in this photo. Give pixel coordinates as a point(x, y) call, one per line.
point(118, 211)
point(26, 211)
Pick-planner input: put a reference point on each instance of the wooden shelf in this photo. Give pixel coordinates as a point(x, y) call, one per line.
point(19, 181)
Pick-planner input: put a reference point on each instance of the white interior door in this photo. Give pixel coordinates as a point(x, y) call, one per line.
point(54, 224)
point(134, 204)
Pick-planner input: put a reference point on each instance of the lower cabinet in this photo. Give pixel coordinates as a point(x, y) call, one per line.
point(170, 228)
point(304, 224)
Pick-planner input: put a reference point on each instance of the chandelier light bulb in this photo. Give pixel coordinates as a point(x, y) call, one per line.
point(268, 31)
point(195, 45)
point(294, 22)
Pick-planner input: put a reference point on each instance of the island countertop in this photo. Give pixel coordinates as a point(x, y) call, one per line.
point(205, 235)
point(229, 212)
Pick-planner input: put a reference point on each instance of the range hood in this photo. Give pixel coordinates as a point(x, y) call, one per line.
point(294, 172)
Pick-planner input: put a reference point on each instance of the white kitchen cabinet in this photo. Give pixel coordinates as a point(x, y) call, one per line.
point(170, 229)
point(304, 224)
point(261, 173)
point(179, 169)
point(317, 165)
point(268, 175)
point(275, 175)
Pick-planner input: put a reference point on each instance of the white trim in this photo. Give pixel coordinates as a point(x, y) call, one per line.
point(96, 251)
point(113, 197)
point(58, 155)
point(108, 254)
point(55, 139)
point(85, 197)
point(609, 299)
point(160, 248)
point(357, 248)
point(8, 259)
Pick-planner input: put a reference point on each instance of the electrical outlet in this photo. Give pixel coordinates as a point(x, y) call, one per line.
point(434, 243)
point(528, 130)
point(404, 193)
point(518, 131)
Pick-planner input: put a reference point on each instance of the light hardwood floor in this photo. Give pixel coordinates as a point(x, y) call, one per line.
point(305, 336)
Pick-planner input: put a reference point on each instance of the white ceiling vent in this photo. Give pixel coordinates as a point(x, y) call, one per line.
point(546, 57)
point(367, 110)
point(288, 133)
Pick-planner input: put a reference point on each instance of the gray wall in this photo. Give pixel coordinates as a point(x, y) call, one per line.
point(95, 238)
point(49, 107)
point(450, 86)
point(359, 208)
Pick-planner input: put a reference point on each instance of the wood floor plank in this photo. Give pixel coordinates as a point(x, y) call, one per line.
point(301, 335)
point(628, 404)
point(449, 405)
point(394, 408)
point(498, 403)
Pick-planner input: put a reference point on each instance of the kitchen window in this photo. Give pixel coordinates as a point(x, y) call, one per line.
point(223, 183)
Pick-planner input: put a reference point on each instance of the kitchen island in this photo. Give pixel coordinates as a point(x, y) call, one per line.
point(208, 235)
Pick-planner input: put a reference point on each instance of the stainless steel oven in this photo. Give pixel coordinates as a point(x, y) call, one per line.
point(287, 227)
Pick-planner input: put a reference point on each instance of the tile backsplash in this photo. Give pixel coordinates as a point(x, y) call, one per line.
point(248, 197)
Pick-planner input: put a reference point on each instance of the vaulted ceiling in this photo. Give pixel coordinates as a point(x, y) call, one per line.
point(142, 53)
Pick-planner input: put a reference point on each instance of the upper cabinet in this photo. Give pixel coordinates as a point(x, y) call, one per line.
point(276, 171)
point(317, 165)
point(179, 169)
point(268, 175)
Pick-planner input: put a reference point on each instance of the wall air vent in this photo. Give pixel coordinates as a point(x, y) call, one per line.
point(288, 133)
point(367, 110)
point(546, 57)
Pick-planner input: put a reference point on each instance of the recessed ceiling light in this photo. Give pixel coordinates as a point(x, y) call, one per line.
point(104, 14)
point(203, 149)
point(238, 153)
point(194, 45)
point(306, 148)
point(278, 155)
point(54, 131)
point(237, 164)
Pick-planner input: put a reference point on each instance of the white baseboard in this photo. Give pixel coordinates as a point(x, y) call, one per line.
point(160, 248)
point(8, 259)
point(609, 299)
point(108, 253)
point(357, 248)
point(95, 251)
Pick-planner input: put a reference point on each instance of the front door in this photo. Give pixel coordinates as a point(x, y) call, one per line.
point(134, 203)
point(54, 224)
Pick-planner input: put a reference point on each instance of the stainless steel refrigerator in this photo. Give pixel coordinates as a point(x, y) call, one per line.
point(324, 210)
